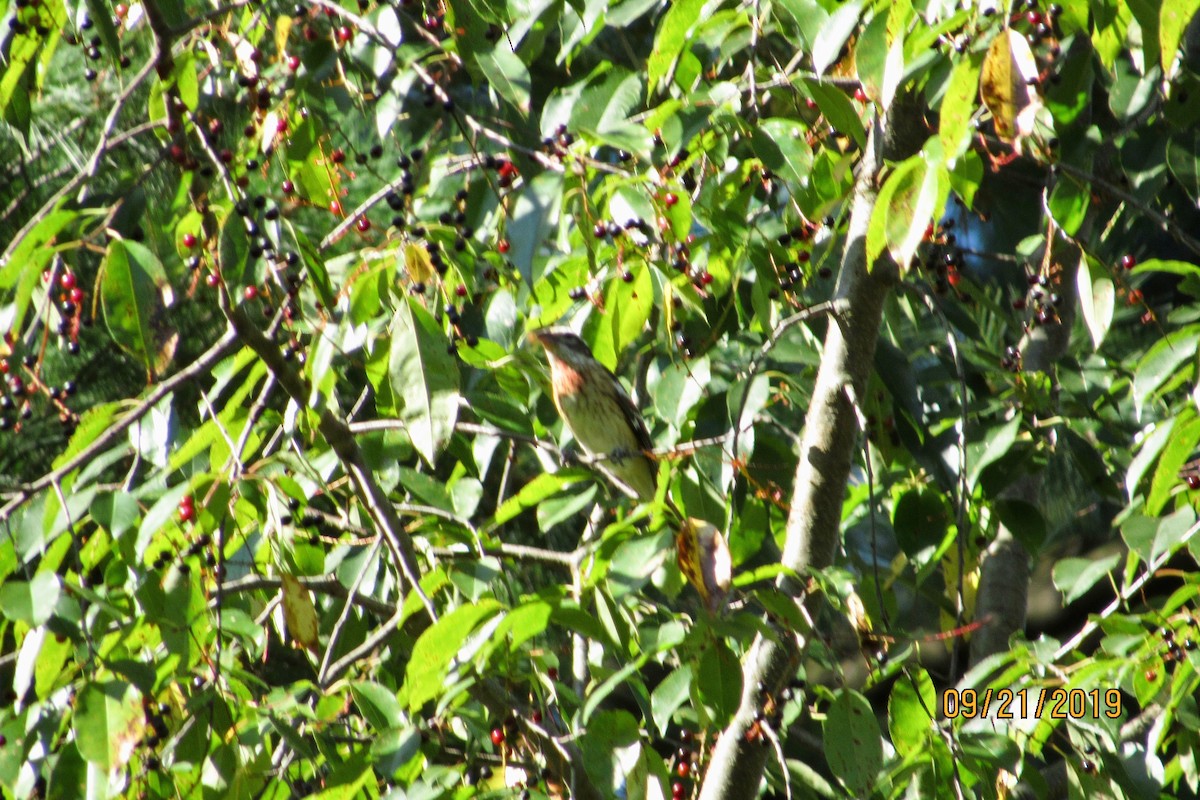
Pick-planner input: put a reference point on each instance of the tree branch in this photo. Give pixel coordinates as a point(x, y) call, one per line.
point(828, 445)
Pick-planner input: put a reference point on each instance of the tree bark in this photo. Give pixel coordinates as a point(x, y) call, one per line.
point(831, 432)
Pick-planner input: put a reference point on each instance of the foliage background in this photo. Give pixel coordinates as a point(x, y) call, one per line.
point(267, 274)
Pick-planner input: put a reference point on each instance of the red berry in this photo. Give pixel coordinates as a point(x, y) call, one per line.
point(1128, 261)
point(344, 34)
point(683, 769)
point(363, 224)
point(187, 512)
point(76, 295)
point(1034, 18)
point(676, 790)
point(293, 63)
point(288, 187)
point(860, 95)
point(189, 240)
point(121, 10)
point(338, 156)
point(497, 736)
point(502, 246)
point(251, 292)
point(1135, 297)
point(670, 198)
point(212, 280)
point(810, 104)
point(1193, 481)
point(187, 501)
point(461, 290)
point(536, 717)
point(552, 673)
point(706, 278)
point(282, 125)
point(335, 206)
point(226, 156)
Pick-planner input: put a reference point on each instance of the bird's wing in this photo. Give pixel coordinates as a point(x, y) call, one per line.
point(632, 416)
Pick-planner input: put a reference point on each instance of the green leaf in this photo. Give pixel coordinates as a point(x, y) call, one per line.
point(999, 441)
point(1183, 159)
point(525, 622)
point(30, 602)
point(669, 695)
point(834, 35)
point(69, 780)
point(1161, 361)
point(378, 704)
point(1024, 520)
point(1097, 297)
point(608, 735)
point(629, 307)
point(116, 512)
point(1069, 203)
point(18, 81)
point(543, 486)
point(1074, 576)
point(425, 376)
point(781, 146)
point(1174, 18)
point(920, 519)
point(958, 106)
point(108, 723)
point(910, 706)
point(837, 108)
point(670, 40)
point(133, 291)
point(101, 14)
point(908, 201)
point(507, 74)
point(606, 105)
point(719, 682)
point(425, 676)
point(1183, 442)
point(853, 745)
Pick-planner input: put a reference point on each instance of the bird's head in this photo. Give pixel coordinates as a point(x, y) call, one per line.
point(564, 345)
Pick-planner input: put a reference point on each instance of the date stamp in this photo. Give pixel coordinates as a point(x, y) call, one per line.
point(1043, 703)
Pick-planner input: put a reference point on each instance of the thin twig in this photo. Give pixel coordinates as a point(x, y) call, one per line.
point(108, 438)
point(1093, 624)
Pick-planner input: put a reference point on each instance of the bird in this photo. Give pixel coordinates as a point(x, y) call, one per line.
point(599, 412)
point(602, 417)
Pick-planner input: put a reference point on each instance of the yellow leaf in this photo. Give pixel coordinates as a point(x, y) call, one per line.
point(299, 613)
point(705, 561)
point(416, 261)
point(1008, 85)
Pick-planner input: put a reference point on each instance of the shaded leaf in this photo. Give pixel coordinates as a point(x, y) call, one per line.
point(853, 745)
point(1097, 298)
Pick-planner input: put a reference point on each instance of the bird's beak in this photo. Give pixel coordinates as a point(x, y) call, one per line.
point(537, 336)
